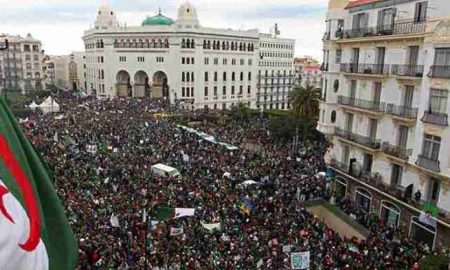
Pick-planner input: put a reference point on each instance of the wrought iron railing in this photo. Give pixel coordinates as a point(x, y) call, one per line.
point(439, 72)
point(402, 111)
point(440, 119)
point(407, 70)
point(365, 68)
point(396, 151)
point(397, 28)
point(360, 139)
point(428, 163)
point(339, 165)
point(363, 104)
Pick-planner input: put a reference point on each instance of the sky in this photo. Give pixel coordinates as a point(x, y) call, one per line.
point(60, 24)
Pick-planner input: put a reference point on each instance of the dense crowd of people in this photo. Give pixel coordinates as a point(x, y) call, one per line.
point(101, 152)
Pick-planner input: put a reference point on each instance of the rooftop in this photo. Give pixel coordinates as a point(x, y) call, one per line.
point(358, 3)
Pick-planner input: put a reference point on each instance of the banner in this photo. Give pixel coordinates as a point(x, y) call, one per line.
point(428, 219)
point(212, 226)
point(176, 231)
point(184, 212)
point(114, 221)
point(300, 260)
point(91, 149)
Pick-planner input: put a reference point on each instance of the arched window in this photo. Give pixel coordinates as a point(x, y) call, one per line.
point(183, 43)
point(206, 76)
point(390, 213)
point(166, 43)
point(224, 76)
point(160, 43)
point(333, 117)
point(228, 45)
point(336, 85)
point(363, 199)
point(233, 76)
point(192, 44)
point(209, 44)
point(188, 43)
point(223, 45)
point(205, 45)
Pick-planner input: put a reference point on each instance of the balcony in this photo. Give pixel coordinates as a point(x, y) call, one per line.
point(407, 70)
point(402, 111)
point(359, 139)
point(439, 72)
point(396, 151)
point(440, 119)
point(365, 68)
point(339, 165)
point(362, 104)
point(428, 163)
point(326, 36)
point(401, 27)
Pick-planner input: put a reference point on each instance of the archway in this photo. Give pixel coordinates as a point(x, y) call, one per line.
point(123, 85)
point(160, 87)
point(141, 86)
point(74, 86)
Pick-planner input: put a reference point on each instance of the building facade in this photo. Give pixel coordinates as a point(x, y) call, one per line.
point(385, 109)
point(21, 64)
point(70, 71)
point(182, 61)
point(308, 72)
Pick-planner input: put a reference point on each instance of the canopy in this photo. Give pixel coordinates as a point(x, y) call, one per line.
point(33, 105)
point(49, 105)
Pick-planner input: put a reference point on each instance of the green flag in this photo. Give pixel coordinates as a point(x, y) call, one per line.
point(38, 234)
point(431, 208)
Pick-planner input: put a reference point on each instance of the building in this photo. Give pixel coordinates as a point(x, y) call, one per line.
point(308, 72)
point(385, 109)
point(48, 71)
point(70, 71)
point(182, 61)
point(21, 64)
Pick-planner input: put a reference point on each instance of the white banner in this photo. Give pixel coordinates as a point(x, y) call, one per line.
point(300, 260)
point(176, 231)
point(212, 226)
point(184, 212)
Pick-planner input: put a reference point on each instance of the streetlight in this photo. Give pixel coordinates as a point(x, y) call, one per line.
point(4, 48)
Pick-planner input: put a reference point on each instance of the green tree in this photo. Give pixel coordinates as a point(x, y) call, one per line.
point(305, 102)
point(240, 112)
point(435, 262)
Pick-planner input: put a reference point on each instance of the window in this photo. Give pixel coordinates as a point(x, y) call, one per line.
point(36, 57)
point(242, 62)
point(431, 146)
point(250, 62)
point(224, 90)
point(26, 48)
point(241, 90)
point(249, 76)
point(215, 76)
point(360, 21)
point(140, 59)
point(224, 76)
point(333, 117)
point(434, 187)
point(390, 213)
point(182, 77)
point(206, 76)
point(233, 62)
point(183, 60)
point(159, 59)
point(206, 91)
point(242, 76)
point(206, 61)
point(216, 61)
point(420, 13)
point(338, 56)
point(396, 175)
point(363, 199)
point(438, 101)
point(224, 61)
point(215, 90)
point(249, 89)
point(232, 90)
point(233, 76)
point(336, 86)
point(188, 60)
point(122, 58)
point(192, 76)
point(183, 92)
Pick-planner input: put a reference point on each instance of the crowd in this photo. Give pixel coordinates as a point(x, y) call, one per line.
point(112, 199)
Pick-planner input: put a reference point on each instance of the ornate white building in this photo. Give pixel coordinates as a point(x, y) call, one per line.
point(184, 61)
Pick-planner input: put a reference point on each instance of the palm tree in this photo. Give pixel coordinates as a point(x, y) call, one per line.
point(305, 103)
point(305, 109)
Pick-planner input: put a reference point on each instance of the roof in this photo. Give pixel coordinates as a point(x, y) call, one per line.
point(358, 3)
point(158, 20)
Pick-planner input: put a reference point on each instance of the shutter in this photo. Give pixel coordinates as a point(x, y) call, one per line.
point(417, 13)
point(423, 13)
point(366, 20)
point(355, 22)
point(380, 20)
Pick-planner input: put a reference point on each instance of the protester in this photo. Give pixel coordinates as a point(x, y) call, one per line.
point(101, 152)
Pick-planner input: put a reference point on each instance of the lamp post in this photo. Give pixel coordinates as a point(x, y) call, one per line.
point(4, 48)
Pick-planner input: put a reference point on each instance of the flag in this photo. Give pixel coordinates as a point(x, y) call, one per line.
point(161, 212)
point(431, 209)
point(212, 226)
point(38, 234)
point(114, 221)
point(246, 206)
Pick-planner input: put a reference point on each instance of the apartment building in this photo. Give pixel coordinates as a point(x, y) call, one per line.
point(385, 109)
point(308, 72)
point(21, 64)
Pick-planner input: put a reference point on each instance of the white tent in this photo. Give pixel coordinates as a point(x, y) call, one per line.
point(33, 105)
point(49, 105)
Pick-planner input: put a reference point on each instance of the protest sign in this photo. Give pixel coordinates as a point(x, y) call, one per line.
point(300, 260)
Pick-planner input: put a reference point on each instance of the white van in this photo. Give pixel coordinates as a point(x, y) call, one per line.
point(164, 170)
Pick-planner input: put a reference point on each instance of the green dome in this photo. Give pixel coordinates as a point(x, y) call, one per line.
point(157, 20)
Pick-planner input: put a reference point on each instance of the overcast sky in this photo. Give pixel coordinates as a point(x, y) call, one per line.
point(59, 24)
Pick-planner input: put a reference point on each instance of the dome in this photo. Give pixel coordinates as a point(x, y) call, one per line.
point(158, 20)
point(187, 15)
point(106, 18)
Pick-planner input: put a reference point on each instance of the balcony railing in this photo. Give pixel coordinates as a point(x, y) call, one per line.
point(428, 163)
point(440, 119)
point(339, 165)
point(365, 68)
point(402, 111)
point(439, 72)
point(326, 36)
point(407, 70)
point(361, 103)
point(363, 140)
point(396, 151)
point(398, 28)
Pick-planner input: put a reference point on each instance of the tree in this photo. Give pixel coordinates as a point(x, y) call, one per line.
point(435, 262)
point(305, 102)
point(240, 112)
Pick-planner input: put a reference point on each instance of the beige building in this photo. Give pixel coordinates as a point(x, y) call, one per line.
point(70, 71)
point(21, 64)
point(308, 72)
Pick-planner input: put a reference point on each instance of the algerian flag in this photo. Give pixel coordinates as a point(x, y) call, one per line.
point(211, 227)
point(34, 232)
